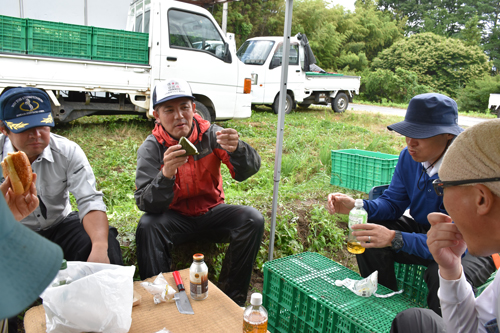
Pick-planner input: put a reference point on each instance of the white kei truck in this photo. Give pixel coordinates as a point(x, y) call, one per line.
point(90, 70)
point(305, 86)
point(494, 104)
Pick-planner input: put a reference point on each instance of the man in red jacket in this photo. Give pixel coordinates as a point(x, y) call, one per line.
point(183, 196)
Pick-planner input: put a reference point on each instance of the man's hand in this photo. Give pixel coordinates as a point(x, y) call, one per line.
point(20, 205)
point(340, 203)
point(171, 160)
point(372, 235)
point(446, 245)
point(228, 139)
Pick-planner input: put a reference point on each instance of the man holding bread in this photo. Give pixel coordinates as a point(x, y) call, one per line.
point(180, 190)
point(61, 168)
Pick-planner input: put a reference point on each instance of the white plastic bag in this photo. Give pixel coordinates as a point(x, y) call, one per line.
point(99, 299)
point(160, 289)
point(365, 287)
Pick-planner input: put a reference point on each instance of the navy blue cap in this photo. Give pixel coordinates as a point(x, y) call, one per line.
point(429, 115)
point(24, 108)
point(171, 89)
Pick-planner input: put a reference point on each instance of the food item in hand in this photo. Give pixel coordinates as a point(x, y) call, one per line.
point(18, 167)
point(188, 147)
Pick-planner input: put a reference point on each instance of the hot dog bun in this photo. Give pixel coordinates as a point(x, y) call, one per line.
point(18, 167)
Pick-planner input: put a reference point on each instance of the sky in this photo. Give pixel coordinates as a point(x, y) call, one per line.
point(110, 14)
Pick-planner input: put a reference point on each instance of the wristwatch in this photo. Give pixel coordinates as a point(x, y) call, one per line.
point(397, 243)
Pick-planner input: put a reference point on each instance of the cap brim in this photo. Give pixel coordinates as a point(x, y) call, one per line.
point(423, 131)
point(29, 263)
point(21, 124)
point(169, 98)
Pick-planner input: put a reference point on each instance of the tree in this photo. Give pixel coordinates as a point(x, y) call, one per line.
point(444, 64)
point(475, 96)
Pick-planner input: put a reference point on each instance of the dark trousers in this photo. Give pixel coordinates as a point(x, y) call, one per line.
point(476, 269)
point(71, 236)
point(417, 320)
point(240, 226)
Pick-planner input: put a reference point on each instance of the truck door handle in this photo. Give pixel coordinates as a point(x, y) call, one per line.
point(298, 70)
point(171, 58)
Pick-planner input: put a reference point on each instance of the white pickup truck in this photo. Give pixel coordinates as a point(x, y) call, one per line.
point(88, 70)
point(494, 104)
point(304, 87)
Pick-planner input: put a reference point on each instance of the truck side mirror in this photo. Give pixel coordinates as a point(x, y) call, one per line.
point(227, 54)
point(275, 62)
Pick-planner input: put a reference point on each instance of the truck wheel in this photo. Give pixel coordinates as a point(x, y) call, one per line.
point(203, 111)
point(288, 106)
point(340, 103)
point(305, 105)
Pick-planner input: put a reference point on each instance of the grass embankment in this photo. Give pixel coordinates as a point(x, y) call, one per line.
point(303, 223)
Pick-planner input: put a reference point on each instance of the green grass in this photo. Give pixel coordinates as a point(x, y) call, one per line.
point(303, 223)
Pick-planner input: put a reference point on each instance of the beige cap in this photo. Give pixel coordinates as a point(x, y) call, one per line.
point(474, 154)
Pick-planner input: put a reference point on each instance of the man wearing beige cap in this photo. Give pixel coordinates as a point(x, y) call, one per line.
point(470, 185)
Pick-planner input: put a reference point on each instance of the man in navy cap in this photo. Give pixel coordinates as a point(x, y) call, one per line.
point(182, 196)
point(430, 125)
point(62, 168)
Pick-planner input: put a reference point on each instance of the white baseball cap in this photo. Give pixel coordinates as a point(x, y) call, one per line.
point(171, 89)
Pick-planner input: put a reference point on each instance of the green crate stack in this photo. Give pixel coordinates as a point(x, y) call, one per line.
point(12, 34)
point(361, 170)
point(120, 46)
point(300, 295)
point(58, 39)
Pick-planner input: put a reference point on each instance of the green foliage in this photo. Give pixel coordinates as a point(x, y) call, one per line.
point(476, 94)
point(398, 87)
point(444, 64)
point(325, 236)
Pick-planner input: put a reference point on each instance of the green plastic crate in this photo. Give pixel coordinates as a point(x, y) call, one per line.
point(120, 46)
point(12, 34)
point(411, 279)
point(361, 170)
point(58, 39)
point(300, 296)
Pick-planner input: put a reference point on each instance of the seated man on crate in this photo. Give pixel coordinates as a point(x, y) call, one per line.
point(61, 167)
point(183, 196)
point(470, 186)
point(430, 125)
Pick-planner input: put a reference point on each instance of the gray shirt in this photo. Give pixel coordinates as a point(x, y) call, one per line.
point(61, 168)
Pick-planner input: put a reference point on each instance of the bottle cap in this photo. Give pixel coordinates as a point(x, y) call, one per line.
point(358, 203)
point(198, 257)
point(256, 299)
point(64, 264)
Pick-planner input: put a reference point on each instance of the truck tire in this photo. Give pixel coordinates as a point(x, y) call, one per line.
point(203, 111)
point(340, 103)
point(288, 106)
point(304, 105)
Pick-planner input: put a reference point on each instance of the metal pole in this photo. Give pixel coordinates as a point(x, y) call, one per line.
point(281, 119)
point(224, 17)
point(21, 9)
point(85, 13)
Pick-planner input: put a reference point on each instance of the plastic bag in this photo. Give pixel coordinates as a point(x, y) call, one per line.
point(365, 287)
point(99, 299)
point(160, 289)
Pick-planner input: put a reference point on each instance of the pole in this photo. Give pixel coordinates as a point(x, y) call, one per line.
point(21, 9)
point(281, 119)
point(224, 17)
point(85, 13)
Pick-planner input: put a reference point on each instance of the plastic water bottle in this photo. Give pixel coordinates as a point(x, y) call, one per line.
point(255, 316)
point(357, 215)
point(198, 278)
point(62, 277)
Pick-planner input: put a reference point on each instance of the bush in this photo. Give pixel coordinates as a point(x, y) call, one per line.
point(397, 87)
point(475, 96)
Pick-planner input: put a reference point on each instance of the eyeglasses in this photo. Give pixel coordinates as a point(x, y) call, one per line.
point(439, 185)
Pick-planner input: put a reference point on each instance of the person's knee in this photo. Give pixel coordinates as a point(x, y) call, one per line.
point(254, 217)
point(147, 222)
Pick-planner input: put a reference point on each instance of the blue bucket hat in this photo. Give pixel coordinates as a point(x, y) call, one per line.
point(29, 263)
point(24, 108)
point(429, 115)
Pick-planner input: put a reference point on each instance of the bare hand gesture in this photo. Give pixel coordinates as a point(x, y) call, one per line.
point(340, 203)
point(171, 160)
point(228, 139)
point(372, 235)
point(23, 204)
point(446, 245)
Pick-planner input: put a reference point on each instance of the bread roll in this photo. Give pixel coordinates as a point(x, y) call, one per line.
point(18, 167)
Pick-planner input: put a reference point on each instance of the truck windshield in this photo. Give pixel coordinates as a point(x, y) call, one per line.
point(255, 52)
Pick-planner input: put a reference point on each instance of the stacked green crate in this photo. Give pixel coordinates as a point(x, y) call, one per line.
point(361, 170)
point(120, 46)
point(12, 34)
point(58, 39)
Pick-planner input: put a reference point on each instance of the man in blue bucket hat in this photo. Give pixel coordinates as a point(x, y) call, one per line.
point(62, 168)
point(429, 127)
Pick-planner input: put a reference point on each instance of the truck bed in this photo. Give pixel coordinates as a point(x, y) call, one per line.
point(331, 82)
